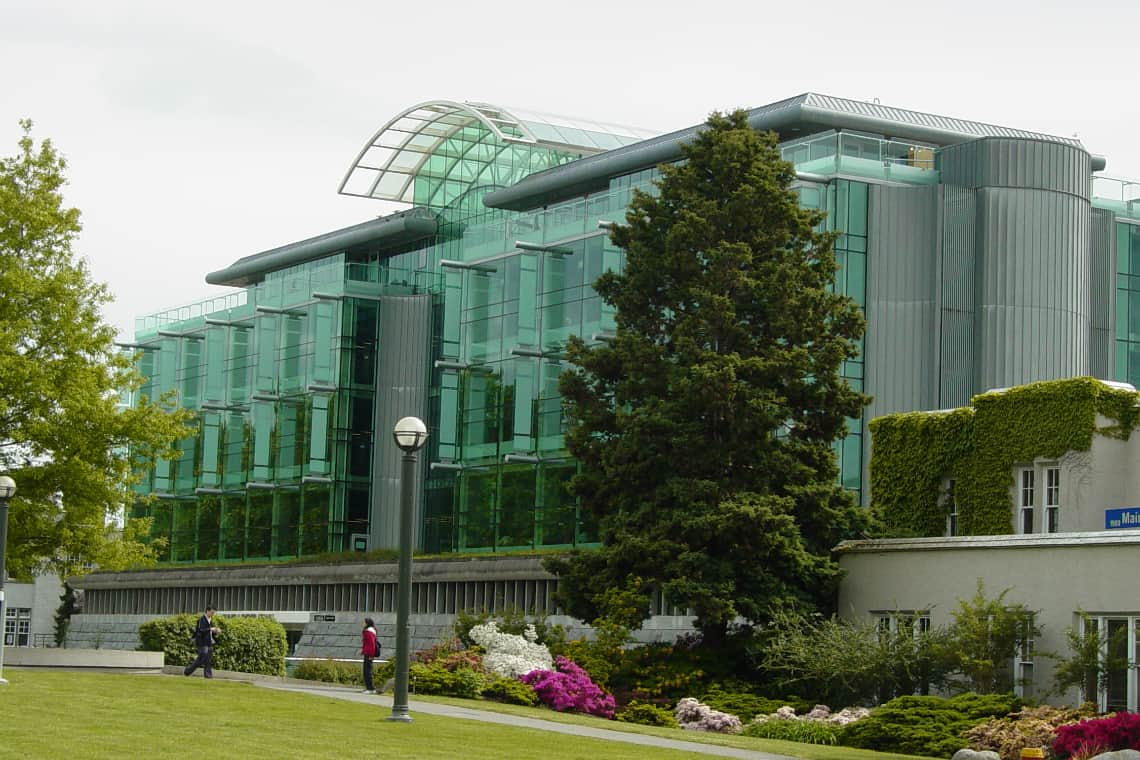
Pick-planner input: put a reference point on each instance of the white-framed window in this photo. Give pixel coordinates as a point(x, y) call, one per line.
point(914, 622)
point(17, 627)
point(1119, 634)
point(1023, 661)
point(1025, 500)
point(951, 509)
point(1052, 521)
point(1037, 498)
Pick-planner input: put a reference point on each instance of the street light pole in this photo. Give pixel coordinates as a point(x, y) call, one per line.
point(7, 491)
point(410, 434)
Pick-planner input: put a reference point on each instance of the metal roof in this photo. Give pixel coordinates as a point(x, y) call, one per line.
point(798, 116)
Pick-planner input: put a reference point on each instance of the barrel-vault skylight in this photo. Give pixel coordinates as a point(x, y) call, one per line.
point(438, 153)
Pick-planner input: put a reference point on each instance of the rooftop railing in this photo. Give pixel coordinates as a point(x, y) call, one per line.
point(1119, 195)
point(843, 153)
point(152, 323)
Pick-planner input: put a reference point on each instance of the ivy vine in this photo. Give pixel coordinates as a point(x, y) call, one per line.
point(913, 454)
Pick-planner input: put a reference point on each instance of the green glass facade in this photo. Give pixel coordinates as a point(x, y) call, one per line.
point(1128, 303)
point(283, 375)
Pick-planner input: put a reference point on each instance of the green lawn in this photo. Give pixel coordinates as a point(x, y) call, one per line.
point(53, 714)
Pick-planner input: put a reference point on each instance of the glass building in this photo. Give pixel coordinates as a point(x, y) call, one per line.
point(983, 256)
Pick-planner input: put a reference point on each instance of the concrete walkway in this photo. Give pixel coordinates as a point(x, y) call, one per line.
point(464, 713)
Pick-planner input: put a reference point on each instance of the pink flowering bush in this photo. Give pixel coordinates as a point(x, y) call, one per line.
point(1119, 731)
point(568, 688)
point(696, 716)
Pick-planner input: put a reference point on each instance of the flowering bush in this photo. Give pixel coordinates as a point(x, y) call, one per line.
point(695, 716)
point(450, 655)
point(1031, 727)
point(818, 726)
point(569, 689)
point(1119, 731)
point(509, 655)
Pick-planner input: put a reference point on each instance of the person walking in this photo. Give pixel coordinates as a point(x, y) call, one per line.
point(204, 633)
point(369, 648)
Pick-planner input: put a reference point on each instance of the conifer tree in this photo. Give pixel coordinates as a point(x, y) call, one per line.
point(705, 428)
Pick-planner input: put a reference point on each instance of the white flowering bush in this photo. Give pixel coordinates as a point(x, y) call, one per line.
point(508, 655)
point(819, 713)
point(696, 716)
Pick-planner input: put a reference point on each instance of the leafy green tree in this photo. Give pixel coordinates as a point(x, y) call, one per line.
point(1093, 655)
point(841, 662)
point(64, 436)
point(984, 639)
point(705, 428)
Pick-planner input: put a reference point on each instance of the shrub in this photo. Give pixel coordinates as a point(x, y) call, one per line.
point(646, 715)
point(329, 671)
point(1032, 727)
point(803, 731)
point(1115, 732)
point(925, 726)
point(569, 689)
point(451, 655)
point(745, 705)
point(435, 679)
point(245, 644)
point(658, 673)
point(694, 716)
point(510, 691)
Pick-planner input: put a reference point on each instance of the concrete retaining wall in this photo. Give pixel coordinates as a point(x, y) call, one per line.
point(80, 658)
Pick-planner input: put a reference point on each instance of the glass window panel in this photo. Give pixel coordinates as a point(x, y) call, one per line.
point(215, 364)
point(233, 527)
point(287, 536)
point(209, 528)
point(516, 506)
point(477, 509)
point(263, 426)
point(259, 527)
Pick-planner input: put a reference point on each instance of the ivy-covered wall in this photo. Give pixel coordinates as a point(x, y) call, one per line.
point(913, 454)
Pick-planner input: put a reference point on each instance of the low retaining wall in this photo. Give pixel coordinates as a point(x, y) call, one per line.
point(44, 657)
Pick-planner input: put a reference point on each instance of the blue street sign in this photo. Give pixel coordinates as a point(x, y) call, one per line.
point(1127, 517)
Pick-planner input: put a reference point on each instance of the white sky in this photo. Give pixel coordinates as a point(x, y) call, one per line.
point(198, 133)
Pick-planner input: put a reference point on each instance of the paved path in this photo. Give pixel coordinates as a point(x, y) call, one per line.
point(464, 713)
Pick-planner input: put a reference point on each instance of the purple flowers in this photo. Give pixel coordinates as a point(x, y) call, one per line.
point(568, 688)
point(1119, 731)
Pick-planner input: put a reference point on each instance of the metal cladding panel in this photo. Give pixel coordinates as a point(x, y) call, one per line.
point(1102, 294)
point(900, 348)
point(402, 380)
point(957, 211)
point(1018, 162)
point(1033, 286)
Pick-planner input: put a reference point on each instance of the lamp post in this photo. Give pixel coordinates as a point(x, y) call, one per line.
point(7, 491)
point(410, 434)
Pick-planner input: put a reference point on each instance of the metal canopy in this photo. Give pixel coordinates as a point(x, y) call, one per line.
point(461, 143)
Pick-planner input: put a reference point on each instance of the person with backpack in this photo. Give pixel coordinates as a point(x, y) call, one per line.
point(369, 648)
point(204, 633)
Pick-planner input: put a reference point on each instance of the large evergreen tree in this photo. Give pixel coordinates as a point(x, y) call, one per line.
point(705, 428)
point(63, 436)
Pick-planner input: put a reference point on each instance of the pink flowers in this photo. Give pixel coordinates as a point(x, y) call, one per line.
point(568, 688)
point(1119, 731)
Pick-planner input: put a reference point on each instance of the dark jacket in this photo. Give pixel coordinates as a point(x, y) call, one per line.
point(203, 633)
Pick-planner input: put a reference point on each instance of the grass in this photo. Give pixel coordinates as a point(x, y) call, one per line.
point(53, 714)
point(99, 715)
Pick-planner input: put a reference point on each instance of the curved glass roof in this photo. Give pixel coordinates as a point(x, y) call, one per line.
point(437, 152)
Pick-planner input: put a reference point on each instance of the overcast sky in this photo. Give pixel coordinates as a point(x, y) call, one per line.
point(198, 133)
